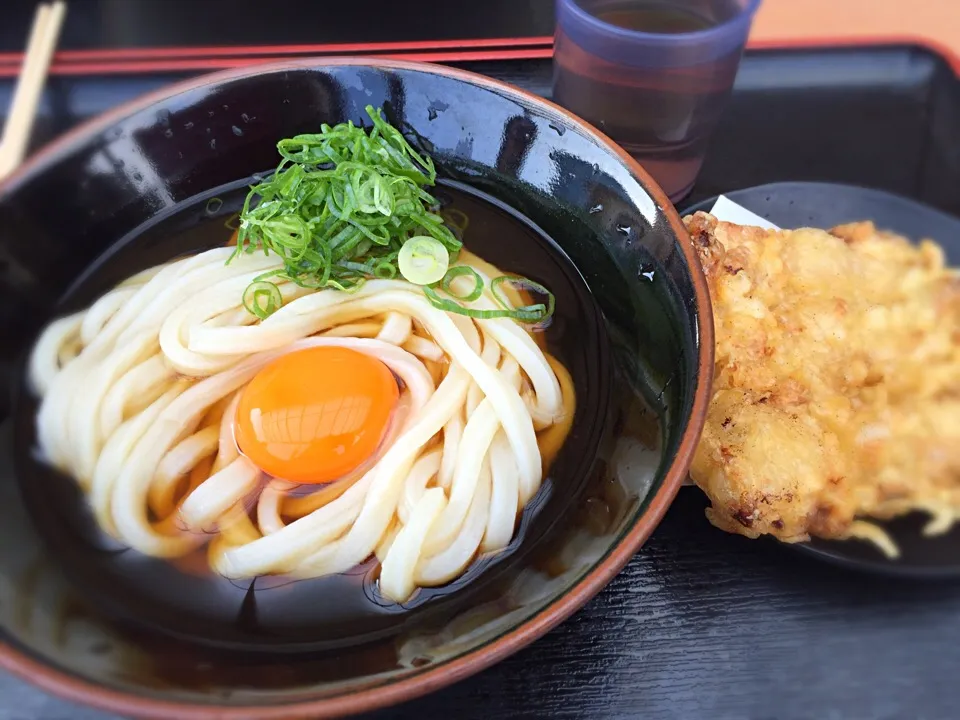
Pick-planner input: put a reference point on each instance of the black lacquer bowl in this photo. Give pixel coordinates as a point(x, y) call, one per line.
point(70, 624)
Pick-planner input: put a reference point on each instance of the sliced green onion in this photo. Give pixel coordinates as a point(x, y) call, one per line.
point(524, 315)
point(522, 283)
point(350, 203)
point(458, 271)
point(385, 270)
point(262, 298)
point(423, 260)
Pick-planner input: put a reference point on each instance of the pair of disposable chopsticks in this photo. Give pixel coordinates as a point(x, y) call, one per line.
point(33, 74)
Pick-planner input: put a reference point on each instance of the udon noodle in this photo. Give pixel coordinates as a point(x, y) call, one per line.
point(139, 395)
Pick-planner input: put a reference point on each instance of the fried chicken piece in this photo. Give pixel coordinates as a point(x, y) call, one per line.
point(837, 380)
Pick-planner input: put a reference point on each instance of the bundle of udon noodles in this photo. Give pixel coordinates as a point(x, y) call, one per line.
point(139, 393)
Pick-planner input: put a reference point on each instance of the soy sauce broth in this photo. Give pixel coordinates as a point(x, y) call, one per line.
point(657, 18)
point(183, 598)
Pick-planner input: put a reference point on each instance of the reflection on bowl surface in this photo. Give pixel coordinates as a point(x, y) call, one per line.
point(546, 196)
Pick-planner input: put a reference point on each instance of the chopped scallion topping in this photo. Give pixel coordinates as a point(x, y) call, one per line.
point(262, 298)
point(423, 260)
point(348, 204)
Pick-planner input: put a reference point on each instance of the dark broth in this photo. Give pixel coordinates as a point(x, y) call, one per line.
point(183, 598)
point(655, 18)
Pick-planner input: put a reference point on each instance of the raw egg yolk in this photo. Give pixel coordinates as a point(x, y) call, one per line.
point(313, 415)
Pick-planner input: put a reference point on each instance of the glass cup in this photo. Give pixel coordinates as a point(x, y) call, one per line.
point(654, 75)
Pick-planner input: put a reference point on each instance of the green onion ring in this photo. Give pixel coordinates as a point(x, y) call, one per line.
point(262, 298)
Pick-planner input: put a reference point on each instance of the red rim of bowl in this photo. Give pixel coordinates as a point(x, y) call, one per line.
point(393, 692)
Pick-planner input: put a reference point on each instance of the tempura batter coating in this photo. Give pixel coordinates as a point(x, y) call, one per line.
point(837, 380)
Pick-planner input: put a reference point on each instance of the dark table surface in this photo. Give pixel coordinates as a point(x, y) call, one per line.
point(94, 24)
point(700, 624)
point(705, 625)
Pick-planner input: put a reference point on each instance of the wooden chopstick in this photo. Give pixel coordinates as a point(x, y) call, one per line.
point(44, 34)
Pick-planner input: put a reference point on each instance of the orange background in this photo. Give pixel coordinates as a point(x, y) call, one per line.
point(936, 21)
